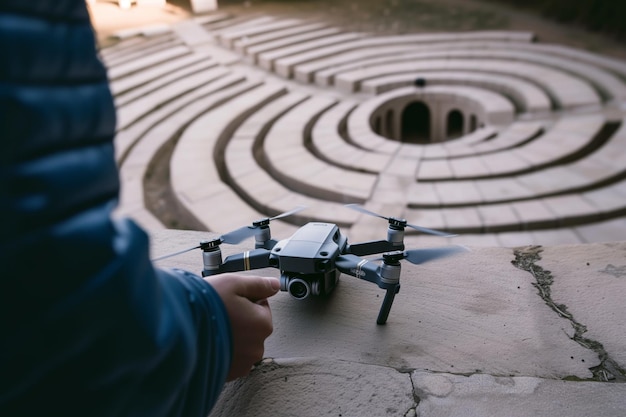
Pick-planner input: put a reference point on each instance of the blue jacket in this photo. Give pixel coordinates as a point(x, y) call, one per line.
point(87, 325)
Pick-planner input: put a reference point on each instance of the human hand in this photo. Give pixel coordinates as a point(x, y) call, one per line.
point(245, 298)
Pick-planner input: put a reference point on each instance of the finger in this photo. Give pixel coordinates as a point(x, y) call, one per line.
point(258, 288)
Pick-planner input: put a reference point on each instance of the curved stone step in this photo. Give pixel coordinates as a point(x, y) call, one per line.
point(195, 178)
point(527, 97)
point(566, 90)
point(288, 160)
point(249, 149)
point(255, 185)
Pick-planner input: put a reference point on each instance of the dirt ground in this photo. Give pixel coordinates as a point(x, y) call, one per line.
point(374, 16)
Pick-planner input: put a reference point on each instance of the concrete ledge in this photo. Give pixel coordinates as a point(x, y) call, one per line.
point(468, 335)
point(314, 387)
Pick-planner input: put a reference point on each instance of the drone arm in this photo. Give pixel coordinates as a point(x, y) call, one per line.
point(245, 261)
point(268, 244)
point(375, 246)
point(358, 267)
point(386, 276)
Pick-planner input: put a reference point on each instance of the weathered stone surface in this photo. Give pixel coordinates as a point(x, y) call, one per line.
point(317, 387)
point(461, 314)
point(471, 330)
point(447, 395)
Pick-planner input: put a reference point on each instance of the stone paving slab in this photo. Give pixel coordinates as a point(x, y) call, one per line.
point(447, 395)
point(467, 336)
point(317, 387)
point(604, 232)
point(494, 216)
point(571, 208)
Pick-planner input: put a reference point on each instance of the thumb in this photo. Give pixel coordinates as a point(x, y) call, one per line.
point(257, 288)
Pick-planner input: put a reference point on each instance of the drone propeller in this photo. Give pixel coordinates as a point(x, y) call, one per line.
point(175, 254)
point(421, 256)
point(288, 213)
point(390, 219)
point(238, 235)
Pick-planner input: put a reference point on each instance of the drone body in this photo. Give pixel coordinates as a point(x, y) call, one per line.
point(313, 258)
point(307, 260)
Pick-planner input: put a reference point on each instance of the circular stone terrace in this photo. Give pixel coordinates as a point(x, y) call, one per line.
point(490, 134)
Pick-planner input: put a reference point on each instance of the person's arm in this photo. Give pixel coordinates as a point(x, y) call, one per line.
point(88, 326)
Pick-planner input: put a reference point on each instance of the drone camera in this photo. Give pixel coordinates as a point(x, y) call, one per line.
point(299, 288)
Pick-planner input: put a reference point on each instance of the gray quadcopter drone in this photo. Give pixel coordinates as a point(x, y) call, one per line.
point(311, 260)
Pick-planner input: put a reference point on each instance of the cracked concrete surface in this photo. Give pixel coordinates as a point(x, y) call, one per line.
point(467, 335)
point(588, 291)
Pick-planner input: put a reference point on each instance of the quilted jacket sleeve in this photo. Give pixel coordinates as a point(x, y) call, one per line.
point(87, 325)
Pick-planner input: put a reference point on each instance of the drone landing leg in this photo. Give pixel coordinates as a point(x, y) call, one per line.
point(387, 302)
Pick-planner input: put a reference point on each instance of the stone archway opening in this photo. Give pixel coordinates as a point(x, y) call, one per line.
point(455, 124)
point(416, 123)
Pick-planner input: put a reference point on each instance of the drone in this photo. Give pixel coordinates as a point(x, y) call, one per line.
point(313, 258)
